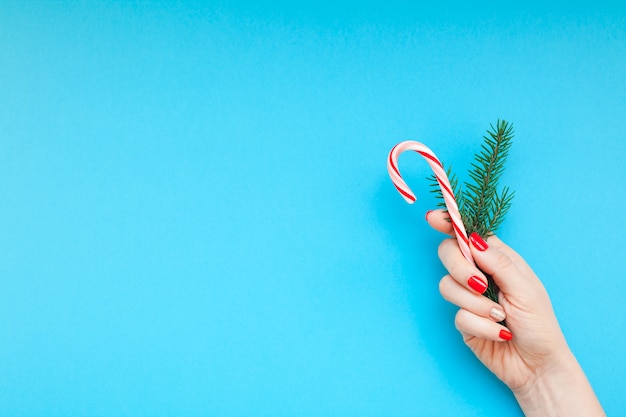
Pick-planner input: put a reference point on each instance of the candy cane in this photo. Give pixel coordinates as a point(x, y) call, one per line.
point(442, 179)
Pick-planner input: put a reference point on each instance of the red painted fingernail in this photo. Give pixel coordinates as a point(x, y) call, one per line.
point(505, 335)
point(427, 213)
point(478, 242)
point(477, 284)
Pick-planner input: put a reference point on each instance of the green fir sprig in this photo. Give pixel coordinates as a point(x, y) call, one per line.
point(482, 204)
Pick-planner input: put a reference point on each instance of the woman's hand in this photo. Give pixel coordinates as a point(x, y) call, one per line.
point(530, 355)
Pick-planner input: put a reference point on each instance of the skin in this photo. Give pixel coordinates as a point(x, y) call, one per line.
point(537, 364)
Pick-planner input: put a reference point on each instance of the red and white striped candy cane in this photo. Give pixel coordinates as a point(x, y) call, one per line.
point(442, 179)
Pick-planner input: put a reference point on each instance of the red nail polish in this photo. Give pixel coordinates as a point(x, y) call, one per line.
point(505, 335)
point(477, 284)
point(478, 242)
point(427, 213)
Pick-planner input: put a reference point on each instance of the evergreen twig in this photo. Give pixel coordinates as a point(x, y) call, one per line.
point(482, 206)
point(456, 189)
point(485, 209)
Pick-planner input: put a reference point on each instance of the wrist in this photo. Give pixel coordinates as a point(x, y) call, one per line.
point(560, 388)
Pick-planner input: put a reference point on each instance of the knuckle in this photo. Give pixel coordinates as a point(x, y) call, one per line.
point(445, 287)
point(460, 319)
point(444, 247)
point(502, 262)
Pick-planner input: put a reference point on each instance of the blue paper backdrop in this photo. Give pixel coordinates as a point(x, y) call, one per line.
point(196, 219)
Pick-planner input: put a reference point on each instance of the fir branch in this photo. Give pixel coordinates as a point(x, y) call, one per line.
point(456, 189)
point(484, 207)
point(492, 290)
point(481, 205)
point(502, 204)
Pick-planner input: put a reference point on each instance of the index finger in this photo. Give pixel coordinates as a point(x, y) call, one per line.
point(440, 221)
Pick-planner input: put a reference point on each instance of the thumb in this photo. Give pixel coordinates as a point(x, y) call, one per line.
point(499, 261)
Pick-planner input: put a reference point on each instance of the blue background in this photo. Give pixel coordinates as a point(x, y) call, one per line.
point(196, 219)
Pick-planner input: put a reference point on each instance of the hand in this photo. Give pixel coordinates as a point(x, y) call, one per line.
point(530, 355)
point(537, 340)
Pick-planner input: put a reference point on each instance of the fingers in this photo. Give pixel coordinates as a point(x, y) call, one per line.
point(470, 324)
point(507, 269)
point(463, 272)
point(495, 242)
point(440, 220)
point(475, 303)
point(478, 316)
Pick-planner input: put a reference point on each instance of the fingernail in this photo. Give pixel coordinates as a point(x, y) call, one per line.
point(477, 284)
point(478, 242)
point(497, 314)
point(427, 213)
point(505, 335)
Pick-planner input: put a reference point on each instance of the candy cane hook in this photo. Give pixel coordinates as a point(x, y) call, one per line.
point(444, 184)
